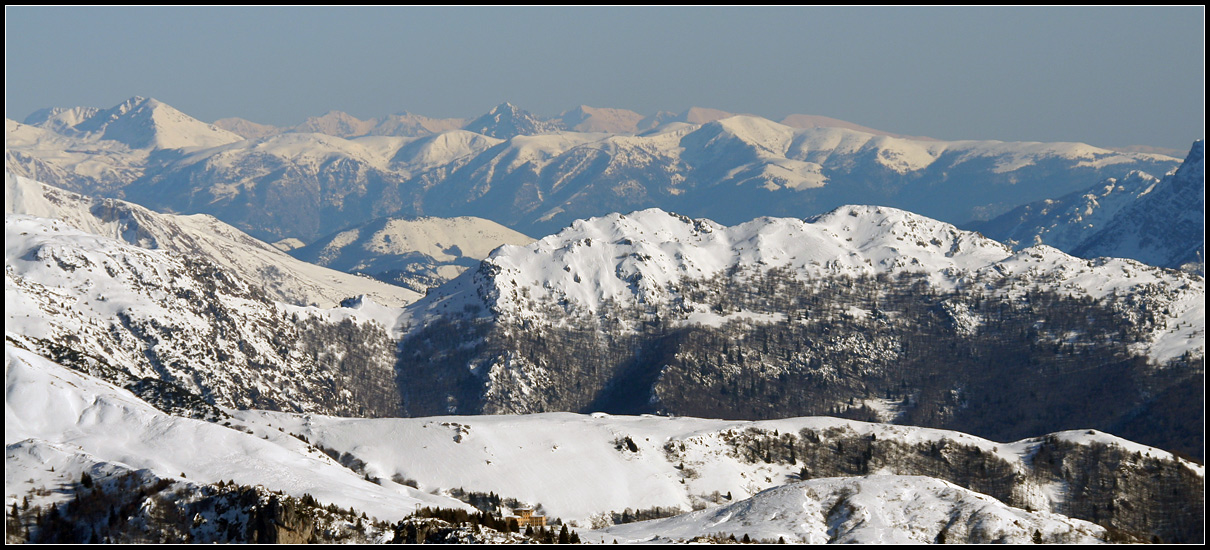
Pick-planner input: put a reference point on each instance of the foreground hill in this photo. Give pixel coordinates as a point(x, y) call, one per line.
point(867, 510)
point(594, 470)
point(60, 423)
point(590, 470)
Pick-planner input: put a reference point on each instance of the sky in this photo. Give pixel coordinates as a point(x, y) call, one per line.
point(1107, 76)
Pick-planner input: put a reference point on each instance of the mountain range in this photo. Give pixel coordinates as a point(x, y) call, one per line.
point(536, 175)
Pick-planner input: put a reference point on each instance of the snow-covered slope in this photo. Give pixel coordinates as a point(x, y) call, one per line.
point(867, 510)
point(758, 167)
point(60, 119)
point(246, 128)
point(336, 123)
point(1159, 222)
point(283, 277)
point(414, 253)
point(185, 328)
point(1166, 227)
point(71, 162)
point(817, 121)
point(1067, 221)
point(59, 423)
point(412, 125)
point(340, 124)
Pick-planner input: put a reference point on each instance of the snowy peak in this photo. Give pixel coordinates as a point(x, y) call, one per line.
point(763, 136)
point(507, 120)
point(440, 149)
point(144, 123)
point(703, 115)
point(692, 115)
point(1193, 169)
point(410, 125)
point(1067, 221)
point(643, 259)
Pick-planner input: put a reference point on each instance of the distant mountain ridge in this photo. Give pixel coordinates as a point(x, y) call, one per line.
point(535, 175)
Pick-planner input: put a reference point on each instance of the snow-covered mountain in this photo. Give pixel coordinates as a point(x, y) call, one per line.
point(246, 128)
point(137, 343)
point(1067, 221)
point(61, 119)
point(817, 121)
point(535, 178)
point(341, 124)
point(1159, 222)
point(1166, 227)
point(281, 276)
point(866, 311)
point(413, 253)
point(144, 123)
point(507, 120)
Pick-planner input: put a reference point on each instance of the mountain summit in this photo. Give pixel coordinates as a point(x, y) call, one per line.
point(507, 120)
point(145, 123)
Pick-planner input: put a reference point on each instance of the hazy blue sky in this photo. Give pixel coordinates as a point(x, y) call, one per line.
point(1105, 76)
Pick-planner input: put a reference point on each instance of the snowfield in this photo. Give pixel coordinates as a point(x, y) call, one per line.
point(578, 467)
point(56, 417)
